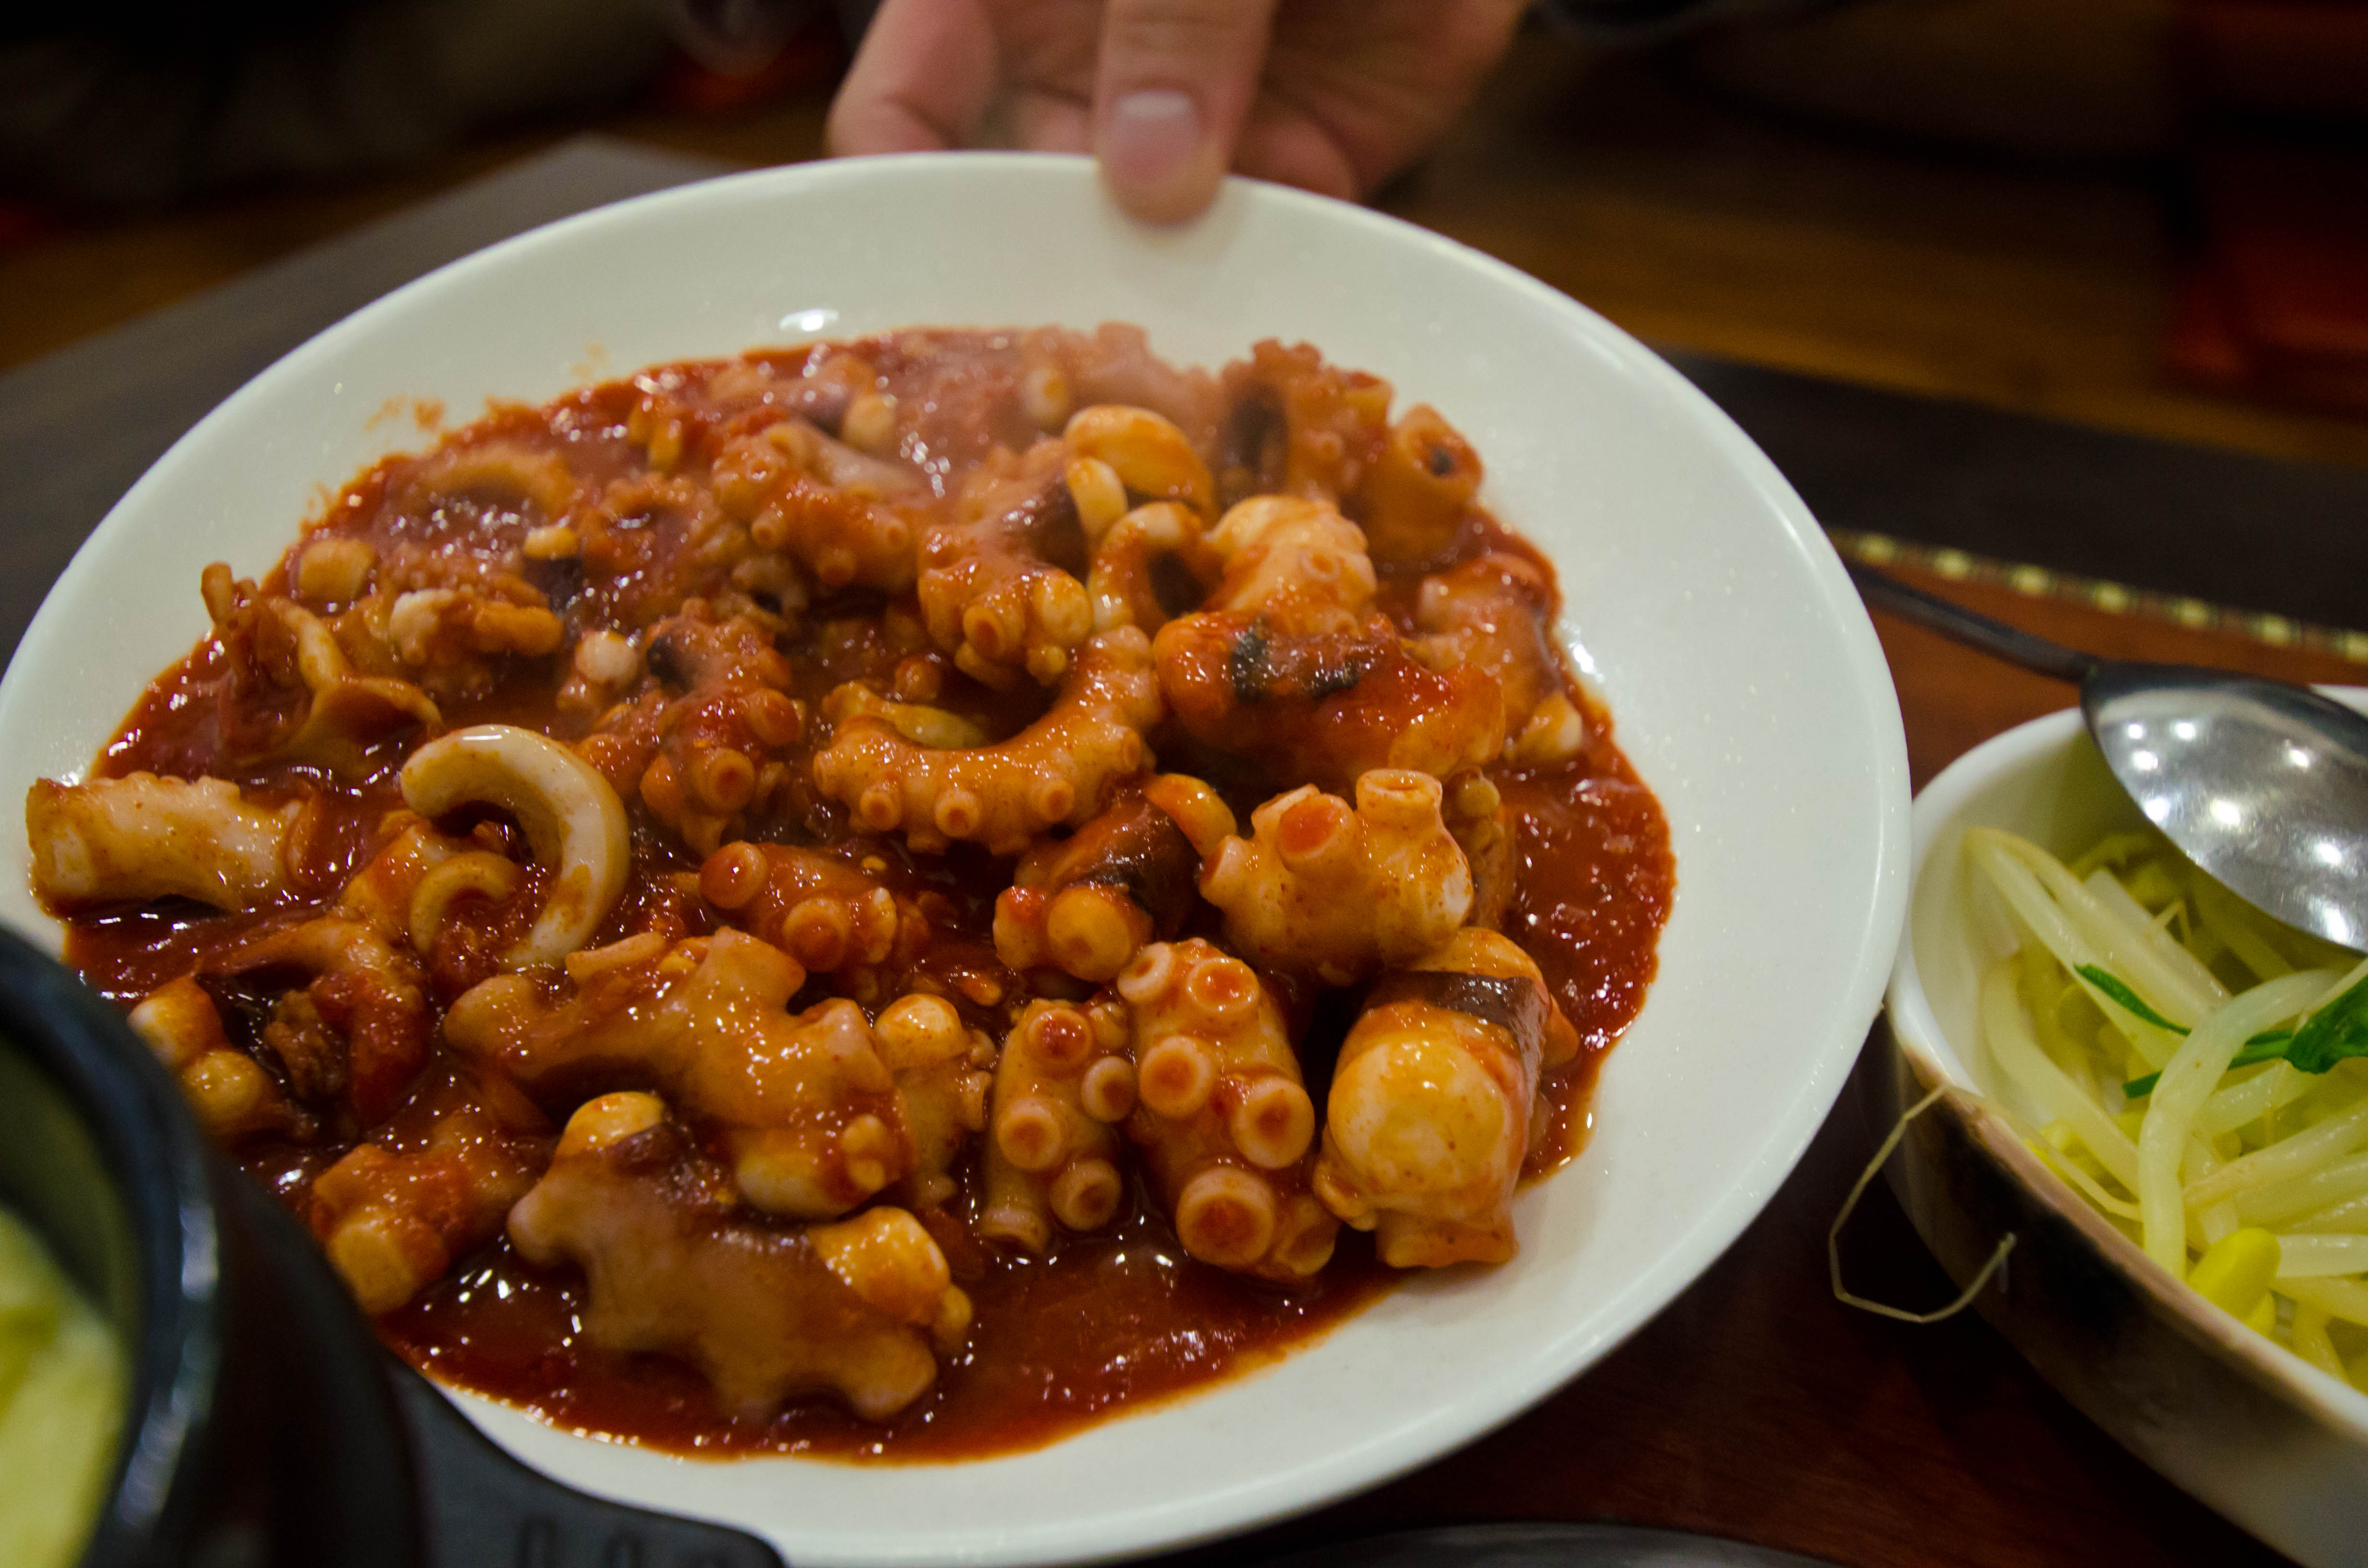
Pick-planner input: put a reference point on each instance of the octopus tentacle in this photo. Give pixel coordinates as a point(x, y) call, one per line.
point(849, 518)
point(392, 1222)
point(359, 1031)
point(1492, 612)
point(1337, 892)
point(1432, 1110)
point(380, 894)
point(1052, 1150)
point(276, 645)
point(860, 1309)
point(1414, 496)
point(1297, 562)
point(1299, 426)
point(1328, 708)
point(141, 838)
point(996, 587)
point(1145, 558)
point(806, 1109)
point(1086, 903)
point(1057, 771)
point(1483, 825)
point(1222, 1115)
point(831, 917)
point(707, 760)
point(229, 1090)
point(944, 1072)
point(1146, 451)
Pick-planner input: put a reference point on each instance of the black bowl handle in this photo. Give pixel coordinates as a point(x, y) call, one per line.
point(483, 1507)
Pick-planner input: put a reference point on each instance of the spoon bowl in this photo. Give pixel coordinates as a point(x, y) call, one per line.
point(2260, 782)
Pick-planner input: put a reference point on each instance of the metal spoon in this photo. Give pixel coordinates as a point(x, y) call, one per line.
point(2262, 783)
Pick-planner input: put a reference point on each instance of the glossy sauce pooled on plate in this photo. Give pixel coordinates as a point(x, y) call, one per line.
point(884, 898)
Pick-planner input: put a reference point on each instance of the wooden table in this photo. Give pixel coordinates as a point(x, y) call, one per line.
point(1757, 1406)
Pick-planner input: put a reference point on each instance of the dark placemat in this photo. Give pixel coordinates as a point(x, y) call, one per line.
point(2289, 537)
point(77, 426)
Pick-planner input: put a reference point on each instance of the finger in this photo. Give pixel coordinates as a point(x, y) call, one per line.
point(922, 81)
point(1174, 85)
point(1291, 148)
point(1047, 122)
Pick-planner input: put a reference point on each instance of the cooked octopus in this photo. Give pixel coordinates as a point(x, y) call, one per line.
point(1341, 892)
point(1058, 771)
point(1326, 708)
point(807, 1111)
point(860, 1309)
point(132, 839)
point(1086, 903)
point(1221, 1112)
point(1064, 1083)
point(834, 916)
point(1432, 1103)
point(764, 860)
point(393, 1221)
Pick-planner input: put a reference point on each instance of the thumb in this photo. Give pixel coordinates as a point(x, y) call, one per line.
point(1174, 84)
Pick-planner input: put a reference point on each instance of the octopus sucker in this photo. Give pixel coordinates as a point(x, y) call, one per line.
point(1086, 903)
point(1431, 1112)
point(1222, 1115)
point(1058, 771)
point(824, 910)
point(1063, 1079)
point(1340, 891)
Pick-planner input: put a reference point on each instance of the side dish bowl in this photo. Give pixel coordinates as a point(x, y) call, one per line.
point(2271, 1442)
point(1704, 605)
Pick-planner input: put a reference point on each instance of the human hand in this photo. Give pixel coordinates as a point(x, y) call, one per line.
point(1334, 96)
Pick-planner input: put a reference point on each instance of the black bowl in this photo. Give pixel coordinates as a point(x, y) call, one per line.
point(265, 1425)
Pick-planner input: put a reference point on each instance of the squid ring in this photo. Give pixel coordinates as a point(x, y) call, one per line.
point(571, 816)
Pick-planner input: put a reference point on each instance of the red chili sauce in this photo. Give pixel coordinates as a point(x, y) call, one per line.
point(1100, 1322)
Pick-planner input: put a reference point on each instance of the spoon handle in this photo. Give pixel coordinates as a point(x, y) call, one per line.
point(1995, 638)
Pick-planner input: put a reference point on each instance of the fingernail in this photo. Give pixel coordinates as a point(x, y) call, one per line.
point(1153, 139)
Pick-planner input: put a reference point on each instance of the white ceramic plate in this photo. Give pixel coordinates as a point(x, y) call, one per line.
point(1745, 681)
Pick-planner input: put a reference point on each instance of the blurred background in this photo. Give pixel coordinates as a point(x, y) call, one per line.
point(2148, 215)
